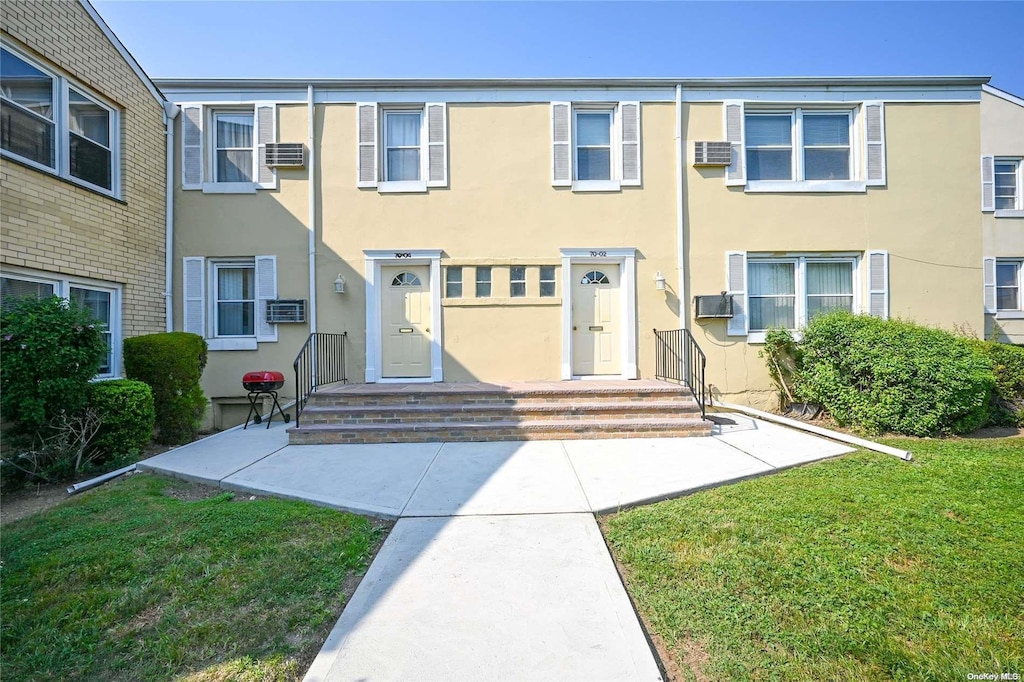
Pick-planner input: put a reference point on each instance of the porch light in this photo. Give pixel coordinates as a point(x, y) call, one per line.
point(659, 281)
point(339, 284)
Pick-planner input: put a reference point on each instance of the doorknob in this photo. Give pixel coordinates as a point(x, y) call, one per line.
point(428, 330)
point(574, 327)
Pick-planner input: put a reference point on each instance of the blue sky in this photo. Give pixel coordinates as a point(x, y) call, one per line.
point(564, 39)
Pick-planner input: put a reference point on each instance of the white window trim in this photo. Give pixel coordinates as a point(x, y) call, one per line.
point(62, 287)
point(229, 341)
point(858, 173)
point(613, 183)
point(210, 184)
point(385, 186)
point(489, 281)
point(800, 273)
point(447, 280)
point(1018, 209)
point(215, 147)
point(1011, 313)
point(542, 281)
point(513, 281)
point(62, 129)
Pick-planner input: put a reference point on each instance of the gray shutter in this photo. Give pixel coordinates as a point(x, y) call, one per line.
point(561, 144)
point(988, 183)
point(366, 115)
point(191, 146)
point(266, 133)
point(266, 290)
point(989, 270)
point(878, 284)
point(874, 139)
point(629, 127)
point(735, 174)
point(194, 287)
point(437, 145)
point(736, 282)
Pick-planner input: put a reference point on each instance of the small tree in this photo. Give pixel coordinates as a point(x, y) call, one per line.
point(49, 351)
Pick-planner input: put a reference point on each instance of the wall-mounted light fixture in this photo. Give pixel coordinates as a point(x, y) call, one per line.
point(659, 281)
point(339, 284)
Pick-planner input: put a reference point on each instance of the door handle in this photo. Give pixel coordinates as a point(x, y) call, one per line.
point(574, 327)
point(427, 330)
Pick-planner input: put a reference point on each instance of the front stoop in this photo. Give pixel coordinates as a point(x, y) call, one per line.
point(542, 410)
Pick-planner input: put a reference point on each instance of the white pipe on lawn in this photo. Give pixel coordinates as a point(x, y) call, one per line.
point(819, 430)
point(93, 482)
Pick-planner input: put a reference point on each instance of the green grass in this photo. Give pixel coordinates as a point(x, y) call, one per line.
point(860, 568)
point(128, 583)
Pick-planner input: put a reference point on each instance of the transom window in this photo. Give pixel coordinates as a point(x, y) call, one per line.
point(234, 305)
point(789, 292)
point(402, 156)
point(593, 135)
point(594, 277)
point(1008, 284)
point(101, 301)
point(233, 147)
point(799, 145)
point(56, 126)
point(453, 282)
point(1008, 184)
point(406, 279)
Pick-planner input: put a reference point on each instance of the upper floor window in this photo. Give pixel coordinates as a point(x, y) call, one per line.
point(1008, 285)
point(402, 155)
point(595, 147)
point(56, 126)
point(402, 148)
point(233, 146)
point(1008, 184)
point(223, 148)
point(798, 145)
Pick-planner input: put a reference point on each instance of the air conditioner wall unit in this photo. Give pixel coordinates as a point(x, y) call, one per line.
point(716, 305)
point(285, 154)
point(284, 311)
point(712, 153)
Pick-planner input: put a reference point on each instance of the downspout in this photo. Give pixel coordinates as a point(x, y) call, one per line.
point(680, 245)
point(170, 113)
point(311, 174)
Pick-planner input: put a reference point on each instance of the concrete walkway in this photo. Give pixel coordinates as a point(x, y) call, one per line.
point(496, 568)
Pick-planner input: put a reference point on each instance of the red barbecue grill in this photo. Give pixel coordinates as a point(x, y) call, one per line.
point(260, 384)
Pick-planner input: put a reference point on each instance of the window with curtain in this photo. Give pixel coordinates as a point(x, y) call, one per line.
point(233, 154)
point(789, 292)
point(97, 302)
point(402, 160)
point(235, 304)
point(593, 134)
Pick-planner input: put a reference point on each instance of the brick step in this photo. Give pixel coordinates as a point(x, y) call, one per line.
point(403, 414)
point(425, 432)
point(376, 399)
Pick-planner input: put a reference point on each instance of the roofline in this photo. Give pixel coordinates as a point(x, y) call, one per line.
point(492, 83)
point(1002, 94)
point(116, 42)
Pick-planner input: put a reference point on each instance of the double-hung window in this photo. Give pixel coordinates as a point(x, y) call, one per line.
point(234, 305)
point(453, 281)
point(1008, 184)
point(402, 147)
point(1008, 285)
point(102, 300)
point(789, 292)
point(593, 144)
point(402, 157)
point(56, 126)
point(483, 281)
point(517, 281)
point(799, 145)
point(233, 146)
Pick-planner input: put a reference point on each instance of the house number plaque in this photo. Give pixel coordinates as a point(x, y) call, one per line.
point(403, 254)
point(598, 254)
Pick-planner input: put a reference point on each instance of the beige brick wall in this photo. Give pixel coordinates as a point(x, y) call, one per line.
point(53, 225)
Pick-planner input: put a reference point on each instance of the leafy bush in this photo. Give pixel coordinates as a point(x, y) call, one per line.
point(126, 413)
point(49, 351)
point(172, 364)
point(891, 375)
point(1008, 398)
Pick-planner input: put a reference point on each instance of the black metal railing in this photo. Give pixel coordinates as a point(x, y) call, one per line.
point(320, 362)
point(679, 358)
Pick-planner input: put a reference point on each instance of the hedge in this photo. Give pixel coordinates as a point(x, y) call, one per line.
point(1008, 366)
point(125, 409)
point(172, 364)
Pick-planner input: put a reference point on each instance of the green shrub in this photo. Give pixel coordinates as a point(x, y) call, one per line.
point(892, 375)
point(126, 413)
point(1008, 397)
point(172, 364)
point(49, 351)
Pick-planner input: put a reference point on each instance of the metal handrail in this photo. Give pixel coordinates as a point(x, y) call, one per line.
point(320, 362)
point(679, 358)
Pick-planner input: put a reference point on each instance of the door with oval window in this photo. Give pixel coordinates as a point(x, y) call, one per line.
point(596, 340)
point(405, 317)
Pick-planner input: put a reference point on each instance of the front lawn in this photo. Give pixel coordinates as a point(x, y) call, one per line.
point(149, 579)
point(864, 567)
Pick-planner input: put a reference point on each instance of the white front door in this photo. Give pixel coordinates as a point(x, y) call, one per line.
point(596, 340)
point(405, 321)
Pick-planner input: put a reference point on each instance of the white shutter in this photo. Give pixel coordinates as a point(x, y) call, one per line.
point(988, 183)
point(437, 145)
point(266, 290)
point(736, 283)
point(191, 146)
point(629, 137)
point(561, 144)
point(366, 117)
point(989, 269)
point(194, 288)
point(266, 133)
point(735, 174)
point(874, 143)
point(878, 284)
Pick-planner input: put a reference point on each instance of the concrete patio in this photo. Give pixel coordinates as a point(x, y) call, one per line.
point(496, 568)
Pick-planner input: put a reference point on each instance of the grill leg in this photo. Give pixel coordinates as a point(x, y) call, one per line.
point(252, 410)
